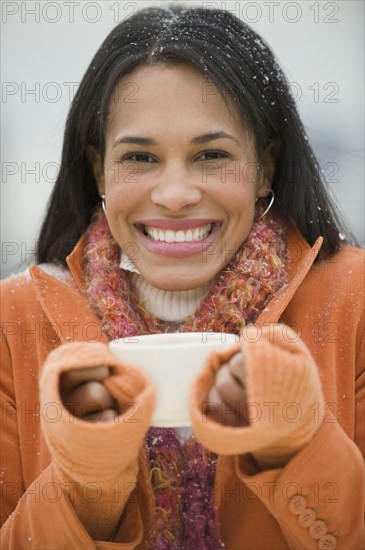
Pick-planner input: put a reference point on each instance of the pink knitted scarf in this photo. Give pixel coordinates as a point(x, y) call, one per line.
point(182, 475)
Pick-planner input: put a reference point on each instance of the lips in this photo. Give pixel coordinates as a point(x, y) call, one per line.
point(170, 236)
point(177, 237)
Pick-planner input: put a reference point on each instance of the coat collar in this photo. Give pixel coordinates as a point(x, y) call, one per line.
point(66, 306)
point(301, 257)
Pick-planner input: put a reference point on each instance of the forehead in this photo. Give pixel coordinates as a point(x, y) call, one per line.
point(157, 96)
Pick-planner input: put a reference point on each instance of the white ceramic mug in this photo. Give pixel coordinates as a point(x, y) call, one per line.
point(172, 362)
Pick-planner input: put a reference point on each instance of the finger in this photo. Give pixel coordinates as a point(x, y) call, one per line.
point(101, 416)
point(212, 407)
point(89, 397)
point(73, 378)
point(230, 391)
point(237, 368)
point(219, 411)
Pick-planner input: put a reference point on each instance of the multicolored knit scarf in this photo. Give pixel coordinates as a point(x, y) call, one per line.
point(182, 475)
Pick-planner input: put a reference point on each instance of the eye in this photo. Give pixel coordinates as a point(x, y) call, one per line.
point(138, 157)
point(213, 155)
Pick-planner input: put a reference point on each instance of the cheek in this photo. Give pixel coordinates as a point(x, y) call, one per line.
point(125, 193)
point(236, 194)
point(240, 176)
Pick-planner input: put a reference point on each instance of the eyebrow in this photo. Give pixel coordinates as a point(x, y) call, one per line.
point(204, 138)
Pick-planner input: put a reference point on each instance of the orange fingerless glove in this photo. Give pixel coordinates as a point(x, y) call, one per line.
point(285, 404)
point(96, 461)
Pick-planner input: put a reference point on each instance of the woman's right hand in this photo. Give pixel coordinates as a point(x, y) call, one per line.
point(85, 396)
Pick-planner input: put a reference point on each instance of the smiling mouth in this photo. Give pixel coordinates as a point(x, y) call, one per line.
point(195, 234)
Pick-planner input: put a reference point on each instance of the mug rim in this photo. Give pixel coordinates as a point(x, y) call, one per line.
point(151, 341)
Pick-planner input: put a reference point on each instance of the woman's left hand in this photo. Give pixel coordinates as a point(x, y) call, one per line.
point(227, 398)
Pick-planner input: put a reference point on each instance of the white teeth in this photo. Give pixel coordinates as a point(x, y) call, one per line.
point(197, 234)
point(171, 236)
point(153, 233)
point(180, 236)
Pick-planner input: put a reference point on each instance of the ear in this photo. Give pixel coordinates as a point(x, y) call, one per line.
point(267, 168)
point(94, 159)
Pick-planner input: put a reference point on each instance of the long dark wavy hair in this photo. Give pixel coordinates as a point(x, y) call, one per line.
point(234, 58)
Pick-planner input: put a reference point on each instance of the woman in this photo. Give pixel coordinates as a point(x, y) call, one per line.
point(188, 199)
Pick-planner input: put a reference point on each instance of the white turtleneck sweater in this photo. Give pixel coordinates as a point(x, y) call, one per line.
point(172, 307)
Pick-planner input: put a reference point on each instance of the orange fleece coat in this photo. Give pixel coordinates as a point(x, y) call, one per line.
point(322, 302)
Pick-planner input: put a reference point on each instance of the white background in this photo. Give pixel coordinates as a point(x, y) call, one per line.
point(47, 46)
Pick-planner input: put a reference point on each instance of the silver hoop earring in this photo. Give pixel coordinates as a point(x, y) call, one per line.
point(103, 203)
point(269, 205)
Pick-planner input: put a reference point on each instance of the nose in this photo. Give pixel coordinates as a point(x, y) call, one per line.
point(176, 190)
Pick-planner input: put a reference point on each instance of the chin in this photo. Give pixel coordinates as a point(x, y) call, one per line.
point(175, 286)
point(178, 277)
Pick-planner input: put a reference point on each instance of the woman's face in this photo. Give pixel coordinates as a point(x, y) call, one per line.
point(180, 176)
